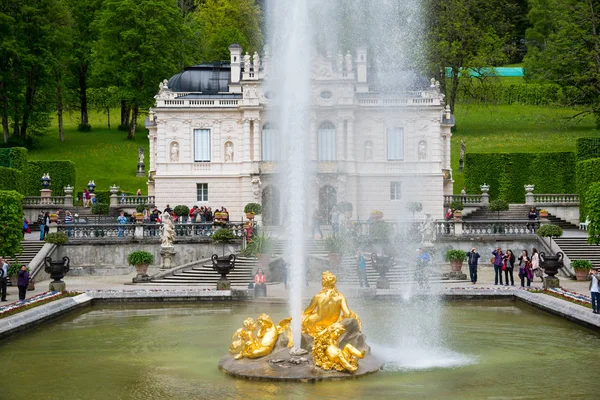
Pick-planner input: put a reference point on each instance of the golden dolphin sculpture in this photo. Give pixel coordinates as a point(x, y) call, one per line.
point(249, 346)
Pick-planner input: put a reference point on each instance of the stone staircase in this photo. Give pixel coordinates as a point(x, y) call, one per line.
point(515, 211)
point(577, 248)
point(562, 223)
point(30, 249)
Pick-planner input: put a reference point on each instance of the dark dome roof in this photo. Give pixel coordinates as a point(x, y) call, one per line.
point(204, 78)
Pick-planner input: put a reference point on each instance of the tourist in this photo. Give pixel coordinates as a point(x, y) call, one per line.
point(3, 278)
point(497, 265)
point(509, 265)
point(40, 221)
point(260, 284)
point(69, 221)
point(595, 291)
point(225, 214)
point(423, 260)
point(532, 216)
point(362, 269)
point(121, 220)
point(22, 282)
point(139, 193)
point(209, 214)
point(525, 269)
point(86, 198)
point(168, 209)
point(463, 195)
point(535, 264)
point(46, 223)
point(316, 224)
point(26, 228)
point(472, 259)
point(147, 214)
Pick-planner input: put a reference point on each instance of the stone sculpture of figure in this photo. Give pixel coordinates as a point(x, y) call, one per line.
point(247, 63)
point(348, 62)
point(174, 152)
point(141, 155)
point(229, 152)
point(368, 151)
point(340, 62)
point(328, 354)
point(167, 233)
point(256, 186)
point(249, 346)
point(326, 308)
point(463, 149)
point(256, 59)
point(427, 230)
point(422, 150)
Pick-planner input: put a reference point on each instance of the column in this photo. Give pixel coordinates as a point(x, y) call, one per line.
point(246, 141)
point(257, 140)
point(339, 140)
point(350, 142)
point(313, 138)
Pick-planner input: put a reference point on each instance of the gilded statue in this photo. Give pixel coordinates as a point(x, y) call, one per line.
point(329, 356)
point(249, 346)
point(325, 308)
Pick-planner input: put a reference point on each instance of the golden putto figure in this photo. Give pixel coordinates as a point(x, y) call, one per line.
point(326, 308)
point(250, 346)
point(329, 356)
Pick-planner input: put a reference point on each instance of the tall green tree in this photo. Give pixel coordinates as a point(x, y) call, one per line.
point(223, 22)
point(564, 48)
point(139, 44)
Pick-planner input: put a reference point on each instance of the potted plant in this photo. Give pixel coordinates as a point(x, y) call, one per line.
point(582, 269)
point(53, 218)
point(56, 238)
point(141, 260)
point(550, 230)
point(223, 236)
point(376, 215)
point(498, 205)
point(346, 208)
point(457, 206)
point(334, 246)
point(543, 213)
point(456, 257)
point(181, 211)
point(139, 214)
point(260, 247)
point(414, 207)
point(252, 209)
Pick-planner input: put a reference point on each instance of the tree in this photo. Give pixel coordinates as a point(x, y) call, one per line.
point(593, 195)
point(223, 22)
point(11, 221)
point(139, 44)
point(103, 99)
point(498, 205)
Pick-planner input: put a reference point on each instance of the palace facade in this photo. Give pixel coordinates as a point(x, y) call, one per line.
point(212, 143)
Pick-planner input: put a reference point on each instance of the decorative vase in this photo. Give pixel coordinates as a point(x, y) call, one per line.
point(456, 265)
point(551, 264)
point(142, 270)
point(250, 215)
point(457, 215)
point(139, 217)
point(223, 265)
point(54, 218)
point(582, 274)
point(543, 214)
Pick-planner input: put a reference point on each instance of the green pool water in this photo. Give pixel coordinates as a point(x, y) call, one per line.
point(487, 350)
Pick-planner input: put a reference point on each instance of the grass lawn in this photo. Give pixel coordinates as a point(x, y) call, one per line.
point(515, 128)
point(104, 155)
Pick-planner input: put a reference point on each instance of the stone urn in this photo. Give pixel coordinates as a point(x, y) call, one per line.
point(551, 265)
point(223, 265)
point(142, 273)
point(382, 265)
point(57, 271)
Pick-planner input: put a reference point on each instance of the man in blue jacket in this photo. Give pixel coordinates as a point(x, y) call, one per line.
point(472, 258)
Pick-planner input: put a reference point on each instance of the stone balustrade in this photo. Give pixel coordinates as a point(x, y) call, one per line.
point(556, 199)
point(216, 103)
point(135, 200)
point(467, 200)
point(89, 232)
point(500, 227)
point(46, 201)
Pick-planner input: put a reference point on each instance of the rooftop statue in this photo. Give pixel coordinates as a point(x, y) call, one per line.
point(325, 308)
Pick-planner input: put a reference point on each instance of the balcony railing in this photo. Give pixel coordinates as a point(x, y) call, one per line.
point(467, 200)
point(556, 199)
point(97, 231)
point(500, 227)
point(216, 103)
point(136, 200)
point(45, 201)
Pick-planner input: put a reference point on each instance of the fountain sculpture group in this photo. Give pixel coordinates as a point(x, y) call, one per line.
point(331, 345)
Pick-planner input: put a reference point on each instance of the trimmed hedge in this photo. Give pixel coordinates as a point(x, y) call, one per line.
point(593, 197)
point(507, 174)
point(11, 179)
point(62, 174)
point(13, 157)
point(587, 148)
point(11, 221)
point(518, 93)
point(588, 172)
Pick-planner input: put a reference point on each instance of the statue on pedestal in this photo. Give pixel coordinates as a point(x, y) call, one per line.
point(167, 232)
point(247, 63)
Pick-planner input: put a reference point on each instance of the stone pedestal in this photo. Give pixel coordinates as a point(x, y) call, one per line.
point(260, 290)
point(167, 254)
point(141, 170)
point(142, 274)
point(223, 284)
point(57, 286)
point(53, 228)
point(139, 232)
point(46, 195)
point(455, 275)
point(383, 283)
point(551, 282)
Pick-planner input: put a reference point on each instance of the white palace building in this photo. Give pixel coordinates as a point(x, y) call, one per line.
point(211, 141)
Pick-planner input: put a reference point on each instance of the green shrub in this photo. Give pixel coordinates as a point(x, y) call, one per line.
point(13, 269)
point(62, 174)
point(18, 158)
point(415, 207)
point(140, 208)
point(84, 127)
point(333, 244)
point(517, 93)
point(588, 172)
point(223, 236)
point(457, 205)
point(587, 148)
point(581, 264)
point(254, 208)
point(102, 196)
point(100, 209)
point(11, 221)
point(550, 230)
point(56, 238)
point(498, 205)
point(455, 255)
point(140, 258)
point(181, 211)
point(259, 244)
point(11, 179)
point(507, 174)
point(593, 196)
point(345, 206)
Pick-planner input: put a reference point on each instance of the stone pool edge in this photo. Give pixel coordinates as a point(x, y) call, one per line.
point(35, 316)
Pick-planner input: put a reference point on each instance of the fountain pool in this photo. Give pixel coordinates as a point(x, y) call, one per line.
point(150, 351)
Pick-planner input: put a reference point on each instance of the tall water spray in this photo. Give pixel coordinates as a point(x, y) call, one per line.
point(291, 34)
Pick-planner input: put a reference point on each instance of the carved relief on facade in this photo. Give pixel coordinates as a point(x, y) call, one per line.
point(422, 150)
point(256, 188)
point(174, 152)
point(368, 150)
point(229, 151)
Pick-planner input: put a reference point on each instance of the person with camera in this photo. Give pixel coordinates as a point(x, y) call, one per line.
point(508, 267)
point(497, 261)
point(525, 271)
point(472, 258)
point(595, 291)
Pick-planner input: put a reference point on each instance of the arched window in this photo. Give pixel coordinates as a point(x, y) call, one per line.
point(270, 142)
point(326, 141)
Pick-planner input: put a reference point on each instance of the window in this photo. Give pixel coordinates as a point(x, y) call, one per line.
point(202, 191)
point(326, 94)
point(395, 190)
point(202, 145)
point(270, 143)
point(395, 138)
point(326, 141)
